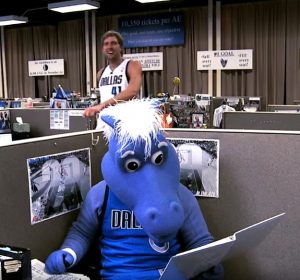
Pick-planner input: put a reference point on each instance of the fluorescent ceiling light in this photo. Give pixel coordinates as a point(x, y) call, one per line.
point(74, 6)
point(10, 20)
point(150, 1)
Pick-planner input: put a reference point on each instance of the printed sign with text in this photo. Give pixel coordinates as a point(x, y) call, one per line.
point(149, 61)
point(155, 30)
point(46, 67)
point(224, 60)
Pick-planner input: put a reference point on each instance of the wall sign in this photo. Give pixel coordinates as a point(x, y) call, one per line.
point(155, 30)
point(46, 67)
point(224, 59)
point(150, 61)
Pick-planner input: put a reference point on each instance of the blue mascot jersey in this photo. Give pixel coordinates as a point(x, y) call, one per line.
point(126, 251)
point(125, 247)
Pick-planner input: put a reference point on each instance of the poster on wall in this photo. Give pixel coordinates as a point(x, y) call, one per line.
point(48, 67)
point(152, 61)
point(152, 30)
point(4, 121)
point(225, 60)
point(59, 119)
point(58, 183)
point(199, 165)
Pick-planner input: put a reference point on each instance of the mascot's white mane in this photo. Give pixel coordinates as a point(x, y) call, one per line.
point(137, 120)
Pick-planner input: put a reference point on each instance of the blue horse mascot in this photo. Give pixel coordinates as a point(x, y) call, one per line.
point(139, 214)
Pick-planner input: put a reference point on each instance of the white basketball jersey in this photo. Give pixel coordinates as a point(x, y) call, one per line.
point(113, 81)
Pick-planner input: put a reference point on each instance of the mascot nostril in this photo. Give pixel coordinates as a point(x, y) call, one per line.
point(175, 207)
point(140, 214)
point(152, 214)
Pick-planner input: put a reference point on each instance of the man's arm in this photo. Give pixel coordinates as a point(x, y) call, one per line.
point(134, 85)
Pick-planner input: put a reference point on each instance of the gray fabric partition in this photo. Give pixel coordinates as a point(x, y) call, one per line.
point(261, 120)
point(283, 108)
point(259, 178)
point(39, 120)
point(15, 222)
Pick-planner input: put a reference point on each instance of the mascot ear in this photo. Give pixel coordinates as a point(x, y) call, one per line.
point(112, 122)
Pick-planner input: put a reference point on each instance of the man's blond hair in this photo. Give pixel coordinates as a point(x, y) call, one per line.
point(112, 33)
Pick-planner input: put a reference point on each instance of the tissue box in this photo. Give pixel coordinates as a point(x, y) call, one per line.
point(21, 127)
point(20, 131)
point(15, 263)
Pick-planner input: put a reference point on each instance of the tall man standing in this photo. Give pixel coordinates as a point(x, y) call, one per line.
point(120, 80)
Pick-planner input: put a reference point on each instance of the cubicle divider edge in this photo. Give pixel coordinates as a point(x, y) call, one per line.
point(39, 120)
point(15, 217)
point(258, 178)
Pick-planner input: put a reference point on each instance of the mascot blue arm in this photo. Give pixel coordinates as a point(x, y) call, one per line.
point(142, 171)
point(84, 230)
point(81, 235)
point(194, 232)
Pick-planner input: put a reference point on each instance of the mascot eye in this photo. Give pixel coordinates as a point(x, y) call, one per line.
point(132, 164)
point(157, 158)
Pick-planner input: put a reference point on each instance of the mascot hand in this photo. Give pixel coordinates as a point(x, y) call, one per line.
point(58, 262)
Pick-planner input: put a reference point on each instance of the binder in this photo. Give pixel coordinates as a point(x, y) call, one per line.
point(190, 263)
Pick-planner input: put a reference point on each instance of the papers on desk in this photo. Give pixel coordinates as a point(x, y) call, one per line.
point(38, 273)
point(188, 264)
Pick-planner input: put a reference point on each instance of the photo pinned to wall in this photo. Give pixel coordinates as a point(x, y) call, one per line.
point(199, 165)
point(58, 183)
point(4, 121)
point(197, 120)
point(59, 103)
point(252, 105)
point(59, 119)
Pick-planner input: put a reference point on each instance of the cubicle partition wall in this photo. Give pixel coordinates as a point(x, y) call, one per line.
point(237, 102)
point(39, 120)
point(261, 120)
point(284, 108)
point(15, 210)
point(258, 177)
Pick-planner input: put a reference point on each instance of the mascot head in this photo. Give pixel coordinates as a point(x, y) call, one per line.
point(142, 168)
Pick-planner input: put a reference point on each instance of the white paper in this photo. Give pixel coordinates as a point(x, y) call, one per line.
point(59, 119)
point(188, 264)
point(38, 273)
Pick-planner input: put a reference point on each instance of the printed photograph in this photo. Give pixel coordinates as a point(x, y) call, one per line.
point(199, 165)
point(4, 121)
point(58, 183)
point(197, 120)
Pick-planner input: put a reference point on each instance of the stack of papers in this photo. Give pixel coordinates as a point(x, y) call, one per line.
point(38, 273)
